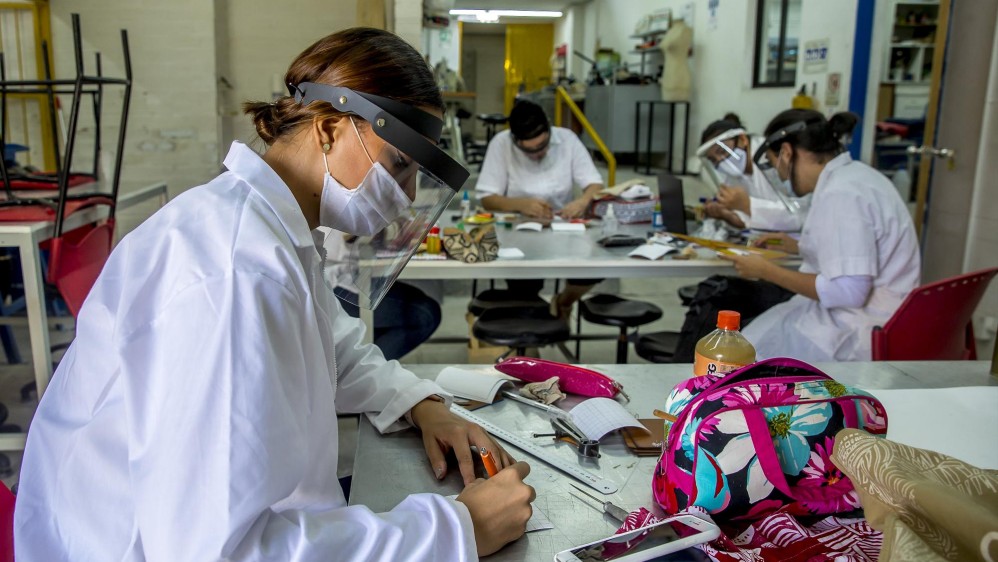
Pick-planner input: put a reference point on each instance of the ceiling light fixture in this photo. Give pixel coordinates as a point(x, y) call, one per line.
point(492, 16)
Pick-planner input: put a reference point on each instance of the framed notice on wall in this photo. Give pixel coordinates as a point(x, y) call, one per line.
point(815, 56)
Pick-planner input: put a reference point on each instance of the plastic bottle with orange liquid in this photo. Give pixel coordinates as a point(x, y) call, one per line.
point(725, 349)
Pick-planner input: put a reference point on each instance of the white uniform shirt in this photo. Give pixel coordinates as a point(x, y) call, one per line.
point(858, 225)
point(507, 171)
point(194, 416)
point(766, 211)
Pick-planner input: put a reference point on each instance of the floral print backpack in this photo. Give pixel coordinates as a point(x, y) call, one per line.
point(758, 439)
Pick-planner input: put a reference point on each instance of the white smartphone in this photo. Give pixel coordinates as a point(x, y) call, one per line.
point(658, 539)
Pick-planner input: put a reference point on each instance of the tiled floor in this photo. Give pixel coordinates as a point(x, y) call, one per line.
point(662, 292)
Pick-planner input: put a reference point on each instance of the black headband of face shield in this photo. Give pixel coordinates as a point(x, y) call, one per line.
point(779, 135)
point(400, 125)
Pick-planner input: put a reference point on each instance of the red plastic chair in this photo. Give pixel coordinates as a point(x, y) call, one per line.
point(6, 524)
point(934, 322)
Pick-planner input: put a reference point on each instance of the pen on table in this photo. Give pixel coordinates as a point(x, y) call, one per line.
point(618, 513)
point(552, 410)
point(488, 461)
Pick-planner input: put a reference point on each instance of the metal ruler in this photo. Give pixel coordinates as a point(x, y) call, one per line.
point(597, 483)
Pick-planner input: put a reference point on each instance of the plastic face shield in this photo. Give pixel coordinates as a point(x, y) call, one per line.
point(715, 151)
point(428, 176)
point(784, 193)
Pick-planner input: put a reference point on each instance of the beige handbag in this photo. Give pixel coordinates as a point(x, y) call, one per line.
point(478, 245)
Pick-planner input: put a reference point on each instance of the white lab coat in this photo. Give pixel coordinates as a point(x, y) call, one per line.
point(194, 416)
point(858, 225)
point(767, 212)
point(507, 171)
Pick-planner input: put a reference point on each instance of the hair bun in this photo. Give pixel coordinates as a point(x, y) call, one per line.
point(266, 119)
point(842, 124)
point(733, 118)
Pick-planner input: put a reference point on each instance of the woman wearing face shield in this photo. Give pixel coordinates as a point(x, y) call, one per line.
point(194, 416)
point(858, 246)
point(745, 199)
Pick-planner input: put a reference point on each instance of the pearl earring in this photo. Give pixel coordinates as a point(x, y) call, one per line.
point(325, 147)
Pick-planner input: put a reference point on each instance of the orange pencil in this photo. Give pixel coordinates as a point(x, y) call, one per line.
point(489, 462)
point(665, 416)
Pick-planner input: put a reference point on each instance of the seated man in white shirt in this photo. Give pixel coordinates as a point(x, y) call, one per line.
point(533, 169)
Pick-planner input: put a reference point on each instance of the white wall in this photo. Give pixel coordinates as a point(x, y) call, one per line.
point(722, 54)
point(443, 44)
point(257, 40)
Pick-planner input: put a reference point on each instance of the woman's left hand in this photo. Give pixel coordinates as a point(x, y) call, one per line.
point(574, 209)
point(443, 431)
point(751, 266)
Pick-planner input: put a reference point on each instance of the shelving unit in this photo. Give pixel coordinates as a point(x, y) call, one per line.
point(652, 50)
point(912, 42)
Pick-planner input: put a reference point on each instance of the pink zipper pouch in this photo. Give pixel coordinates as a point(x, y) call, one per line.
point(572, 378)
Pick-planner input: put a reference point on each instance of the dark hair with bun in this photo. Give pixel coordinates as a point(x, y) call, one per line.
point(821, 136)
point(363, 59)
point(726, 123)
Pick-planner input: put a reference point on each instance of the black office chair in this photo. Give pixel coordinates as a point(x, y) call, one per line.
point(611, 310)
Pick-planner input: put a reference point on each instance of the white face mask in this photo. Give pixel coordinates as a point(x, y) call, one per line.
point(734, 165)
point(366, 210)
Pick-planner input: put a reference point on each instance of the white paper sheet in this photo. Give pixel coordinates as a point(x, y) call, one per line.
point(511, 253)
point(598, 416)
point(530, 225)
point(651, 251)
point(482, 387)
point(961, 422)
point(559, 226)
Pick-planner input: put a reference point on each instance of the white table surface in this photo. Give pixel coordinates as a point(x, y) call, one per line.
point(389, 467)
point(26, 236)
point(557, 255)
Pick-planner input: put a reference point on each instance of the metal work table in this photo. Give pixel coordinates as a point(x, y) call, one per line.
point(389, 467)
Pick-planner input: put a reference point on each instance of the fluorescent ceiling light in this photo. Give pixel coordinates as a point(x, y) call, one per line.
point(494, 14)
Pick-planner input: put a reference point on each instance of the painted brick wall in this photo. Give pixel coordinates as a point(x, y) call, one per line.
point(172, 133)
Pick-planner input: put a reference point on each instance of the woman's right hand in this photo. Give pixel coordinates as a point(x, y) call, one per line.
point(499, 507)
point(716, 210)
point(778, 241)
point(536, 208)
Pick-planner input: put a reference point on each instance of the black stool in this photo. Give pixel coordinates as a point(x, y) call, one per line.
point(657, 347)
point(502, 298)
point(492, 122)
point(520, 327)
point(611, 310)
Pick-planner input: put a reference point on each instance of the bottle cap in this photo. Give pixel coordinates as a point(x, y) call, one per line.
point(728, 320)
point(435, 229)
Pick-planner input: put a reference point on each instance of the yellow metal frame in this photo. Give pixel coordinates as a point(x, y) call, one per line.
point(42, 24)
point(561, 94)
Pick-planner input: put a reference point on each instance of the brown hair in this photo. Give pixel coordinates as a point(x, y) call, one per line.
point(363, 59)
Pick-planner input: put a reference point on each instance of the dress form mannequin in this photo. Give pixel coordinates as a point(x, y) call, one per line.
point(676, 77)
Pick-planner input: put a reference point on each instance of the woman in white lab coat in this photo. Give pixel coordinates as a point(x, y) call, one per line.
point(858, 246)
point(194, 416)
point(745, 199)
